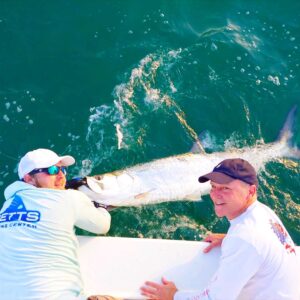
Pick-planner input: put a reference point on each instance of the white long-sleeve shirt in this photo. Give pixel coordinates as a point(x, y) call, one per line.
point(258, 261)
point(38, 246)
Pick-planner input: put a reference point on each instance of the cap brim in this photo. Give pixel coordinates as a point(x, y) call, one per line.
point(216, 177)
point(67, 160)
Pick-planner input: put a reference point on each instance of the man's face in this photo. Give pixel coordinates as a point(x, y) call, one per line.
point(44, 180)
point(232, 199)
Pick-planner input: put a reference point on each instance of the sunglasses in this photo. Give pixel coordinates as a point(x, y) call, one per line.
point(53, 170)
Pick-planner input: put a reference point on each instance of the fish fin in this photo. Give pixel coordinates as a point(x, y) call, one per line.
point(286, 131)
point(197, 147)
point(192, 197)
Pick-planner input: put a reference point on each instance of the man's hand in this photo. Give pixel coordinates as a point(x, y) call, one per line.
point(75, 183)
point(215, 240)
point(102, 297)
point(164, 291)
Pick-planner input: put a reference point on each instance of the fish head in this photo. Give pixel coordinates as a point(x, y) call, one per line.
point(110, 188)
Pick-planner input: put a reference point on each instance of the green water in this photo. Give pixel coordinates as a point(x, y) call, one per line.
point(162, 71)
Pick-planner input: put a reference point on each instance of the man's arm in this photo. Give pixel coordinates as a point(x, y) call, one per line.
point(228, 281)
point(239, 262)
point(87, 216)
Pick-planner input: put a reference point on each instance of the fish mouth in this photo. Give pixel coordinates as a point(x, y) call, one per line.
point(95, 184)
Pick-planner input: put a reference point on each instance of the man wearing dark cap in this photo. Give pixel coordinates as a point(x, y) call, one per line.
point(258, 258)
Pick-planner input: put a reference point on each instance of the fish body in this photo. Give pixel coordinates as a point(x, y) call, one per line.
point(172, 178)
point(176, 178)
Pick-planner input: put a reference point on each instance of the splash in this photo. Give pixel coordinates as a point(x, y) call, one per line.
point(142, 93)
point(149, 90)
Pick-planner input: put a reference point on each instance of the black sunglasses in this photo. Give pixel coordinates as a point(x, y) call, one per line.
point(53, 170)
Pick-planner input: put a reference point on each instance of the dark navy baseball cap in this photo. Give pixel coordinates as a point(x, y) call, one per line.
point(231, 169)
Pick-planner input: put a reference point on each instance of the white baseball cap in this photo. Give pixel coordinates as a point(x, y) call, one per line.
point(41, 158)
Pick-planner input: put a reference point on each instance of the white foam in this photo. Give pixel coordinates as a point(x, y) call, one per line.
point(174, 53)
point(208, 141)
point(87, 166)
point(274, 79)
point(152, 95)
point(213, 47)
point(119, 135)
point(172, 87)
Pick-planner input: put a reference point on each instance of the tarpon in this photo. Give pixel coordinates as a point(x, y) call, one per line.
point(176, 178)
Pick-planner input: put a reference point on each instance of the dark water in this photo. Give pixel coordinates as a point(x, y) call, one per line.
point(163, 71)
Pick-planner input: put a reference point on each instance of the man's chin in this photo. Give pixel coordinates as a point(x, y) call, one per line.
point(60, 186)
point(219, 213)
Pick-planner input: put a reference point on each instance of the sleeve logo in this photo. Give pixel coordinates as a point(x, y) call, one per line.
point(283, 237)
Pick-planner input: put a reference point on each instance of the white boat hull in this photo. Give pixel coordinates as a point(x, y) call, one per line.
point(119, 266)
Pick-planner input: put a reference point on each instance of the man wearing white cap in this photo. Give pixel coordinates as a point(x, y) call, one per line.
point(38, 246)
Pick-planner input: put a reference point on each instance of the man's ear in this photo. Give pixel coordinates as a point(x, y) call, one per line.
point(252, 190)
point(29, 179)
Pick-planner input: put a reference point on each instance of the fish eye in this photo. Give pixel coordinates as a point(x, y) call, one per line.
point(98, 177)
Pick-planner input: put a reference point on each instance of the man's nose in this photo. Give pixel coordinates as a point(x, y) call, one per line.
point(60, 174)
point(215, 192)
